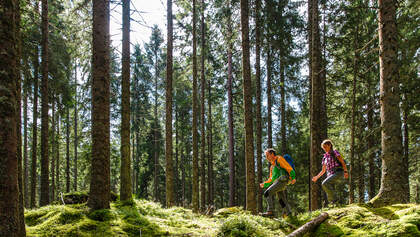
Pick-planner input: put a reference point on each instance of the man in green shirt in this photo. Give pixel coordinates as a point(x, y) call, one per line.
point(281, 174)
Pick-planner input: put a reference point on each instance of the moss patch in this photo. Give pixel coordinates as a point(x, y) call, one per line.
point(151, 219)
point(363, 220)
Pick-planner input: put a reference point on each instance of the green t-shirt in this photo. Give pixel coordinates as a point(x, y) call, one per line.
point(276, 172)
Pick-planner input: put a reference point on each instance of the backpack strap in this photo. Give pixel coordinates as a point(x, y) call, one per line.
point(279, 167)
point(338, 161)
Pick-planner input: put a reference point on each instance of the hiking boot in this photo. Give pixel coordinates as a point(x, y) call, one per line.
point(268, 214)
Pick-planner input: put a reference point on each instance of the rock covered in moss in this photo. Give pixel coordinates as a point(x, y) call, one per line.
point(75, 197)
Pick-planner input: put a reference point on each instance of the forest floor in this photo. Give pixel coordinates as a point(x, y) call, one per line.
point(146, 218)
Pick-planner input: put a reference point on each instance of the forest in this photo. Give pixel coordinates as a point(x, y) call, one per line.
point(101, 135)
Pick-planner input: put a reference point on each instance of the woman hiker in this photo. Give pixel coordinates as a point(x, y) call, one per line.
point(281, 174)
point(336, 168)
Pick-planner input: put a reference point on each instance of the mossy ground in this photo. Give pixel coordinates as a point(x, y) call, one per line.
point(149, 218)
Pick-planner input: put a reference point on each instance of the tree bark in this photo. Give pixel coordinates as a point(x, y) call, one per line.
point(125, 192)
point(75, 128)
point(309, 226)
point(100, 174)
point(170, 197)
point(202, 120)
point(22, 231)
point(53, 147)
point(282, 106)
point(35, 123)
point(393, 184)
point(57, 166)
point(258, 99)
point(9, 80)
point(232, 186)
point(176, 167)
point(195, 178)
point(370, 147)
point(318, 116)
point(183, 199)
point(360, 163)
point(133, 160)
point(269, 98)
point(406, 161)
point(67, 150)
point(136, 164)
point(44, 199)
point(309, 29)
point(353, 115)
point(25, 136)
point(155, 132)
point(210, 179)
point(251, 203)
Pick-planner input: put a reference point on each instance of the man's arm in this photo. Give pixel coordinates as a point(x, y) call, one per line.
point(269, 180)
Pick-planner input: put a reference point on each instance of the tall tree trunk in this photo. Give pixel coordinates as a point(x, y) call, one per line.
point(318, 115)
point(57, 166)
point(232, 186)
point(136, 163)
point(170, 197)
point(353, 115)
point(210, 179)
point(53, 147)
point(309, 30)
point(258, 99)
point(202, 120)
point(132, 155)
point(25, 136)
point(67, 150)
point(21, 225)
point(370, 146)
point(269, 98)
point(35, 123)
point(75, 128)
point(195, 178)
point(125, 192)
point(183, 178)
point(360, 163)
point(133, 159)
point(176, 170)
point(155, 139)
point(44, 200)
point(251, 203)
point(282, 106)
point(393, 184)
point(100, 174)
point(9, 79)
point(406, 161)
point(418, 182)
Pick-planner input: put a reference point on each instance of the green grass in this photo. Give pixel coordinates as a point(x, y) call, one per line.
point(151, 219)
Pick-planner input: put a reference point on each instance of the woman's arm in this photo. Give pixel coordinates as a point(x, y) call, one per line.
point(315, 178)
point(341, 160)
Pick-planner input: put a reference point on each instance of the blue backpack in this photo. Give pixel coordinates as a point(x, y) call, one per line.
point(290, 161)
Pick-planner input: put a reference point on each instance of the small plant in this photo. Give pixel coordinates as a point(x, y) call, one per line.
point(239, 225)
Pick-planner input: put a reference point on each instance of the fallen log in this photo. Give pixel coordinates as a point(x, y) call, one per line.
point(309, 226)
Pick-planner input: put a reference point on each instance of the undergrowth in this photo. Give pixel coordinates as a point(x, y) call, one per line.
point(151, 219)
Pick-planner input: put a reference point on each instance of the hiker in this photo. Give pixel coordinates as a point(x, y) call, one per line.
point(336, 168)
point(281, 174)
